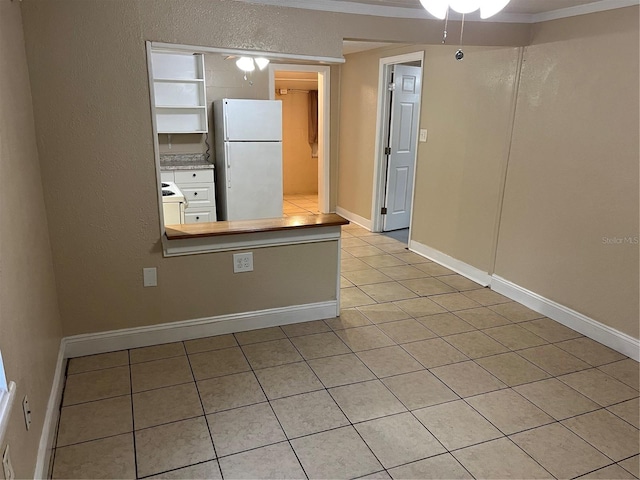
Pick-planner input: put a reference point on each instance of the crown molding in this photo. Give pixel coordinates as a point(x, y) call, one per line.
point(419, 13)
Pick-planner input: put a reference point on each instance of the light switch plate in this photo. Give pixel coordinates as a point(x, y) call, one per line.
point(150, 277)
point(423, 135)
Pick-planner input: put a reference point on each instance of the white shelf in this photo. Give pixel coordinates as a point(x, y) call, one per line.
point(178, 80)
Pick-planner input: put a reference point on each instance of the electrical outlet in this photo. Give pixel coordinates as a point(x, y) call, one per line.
point(423, 135)
point(9, 474)
point(243, 262)
point(27, 412)
point(150, 277)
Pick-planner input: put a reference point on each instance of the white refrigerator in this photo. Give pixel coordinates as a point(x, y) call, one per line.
point(248, 146)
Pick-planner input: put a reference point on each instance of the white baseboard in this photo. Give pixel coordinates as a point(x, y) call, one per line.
point(92, 343)
point(458, 266)
point(48, 435)
point(589, 327)
point(354, 218)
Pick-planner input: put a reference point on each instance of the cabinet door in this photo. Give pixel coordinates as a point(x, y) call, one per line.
point(199, 216)
point(194, 176)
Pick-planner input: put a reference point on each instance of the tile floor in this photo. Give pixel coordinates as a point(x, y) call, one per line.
point(300, 205)
point(424, 375)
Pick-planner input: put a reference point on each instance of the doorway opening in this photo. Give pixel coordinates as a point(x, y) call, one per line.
point(398, 122)
point(304, 92)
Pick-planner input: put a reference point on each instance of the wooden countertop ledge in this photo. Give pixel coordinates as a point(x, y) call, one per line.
point(214, 229)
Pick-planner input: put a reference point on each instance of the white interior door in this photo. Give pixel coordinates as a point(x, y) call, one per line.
point(403, 129)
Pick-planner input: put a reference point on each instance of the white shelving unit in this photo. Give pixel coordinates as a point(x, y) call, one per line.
point(179, 92)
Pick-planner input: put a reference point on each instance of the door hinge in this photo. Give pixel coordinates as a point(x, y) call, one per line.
point(387, 150)
point(383, 210)
point(391, 86)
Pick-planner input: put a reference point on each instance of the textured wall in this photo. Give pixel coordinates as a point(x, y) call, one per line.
point(573, 172)
point(30, 328)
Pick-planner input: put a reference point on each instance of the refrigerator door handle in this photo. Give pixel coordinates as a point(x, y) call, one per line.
point(228, 165)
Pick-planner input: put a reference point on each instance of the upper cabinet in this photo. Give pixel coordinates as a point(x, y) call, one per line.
point(179, 92)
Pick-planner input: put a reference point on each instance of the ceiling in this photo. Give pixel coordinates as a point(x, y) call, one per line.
point(304, 81)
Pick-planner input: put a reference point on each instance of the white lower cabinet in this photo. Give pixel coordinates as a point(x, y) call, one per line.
point(198, 188)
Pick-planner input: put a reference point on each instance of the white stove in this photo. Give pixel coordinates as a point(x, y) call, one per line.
point(173, 204)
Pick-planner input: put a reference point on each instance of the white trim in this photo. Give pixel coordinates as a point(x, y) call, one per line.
point(593, 329)
point(92, 343)
point(354, 218)
point(419, 13)
point(324, 124)
point(458, 266)
point(382, 115)
point(243, 241)
point(6, 402)
point(49, 427)
point(256, 53)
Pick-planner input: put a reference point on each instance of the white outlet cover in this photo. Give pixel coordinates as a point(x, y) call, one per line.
point(150, 277)
point(243, 262)
point(423, 135)
point(9, 474)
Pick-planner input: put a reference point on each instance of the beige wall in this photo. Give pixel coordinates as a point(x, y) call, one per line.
point(573, 170)
point(94, 137)
point(30, 329)
point(300, 170)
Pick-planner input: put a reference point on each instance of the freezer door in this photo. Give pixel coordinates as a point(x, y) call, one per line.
point(252, 120)
point(253, 180)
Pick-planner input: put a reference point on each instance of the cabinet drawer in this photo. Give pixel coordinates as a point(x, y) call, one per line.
point(200, 195)
point(200, 216)
point(167, 177)
point(194, 176)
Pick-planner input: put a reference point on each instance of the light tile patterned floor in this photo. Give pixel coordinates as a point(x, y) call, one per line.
point(424, 375)
point(300, 205)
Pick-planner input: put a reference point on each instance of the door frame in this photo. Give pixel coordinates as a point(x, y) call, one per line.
point(382, 127)
point(324, 123)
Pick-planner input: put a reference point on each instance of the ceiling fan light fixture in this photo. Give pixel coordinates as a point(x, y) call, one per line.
point(464, 6)
point(245, 64)
point(437, 8)
point(262, 62)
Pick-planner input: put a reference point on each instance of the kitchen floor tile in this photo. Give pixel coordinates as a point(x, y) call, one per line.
point(366, 277)
point(419, 389)
point(340, 370)
point(164, 405)
point(209, 470)
point(160, 373)
point(366, 401)
point(602, 429)
point(459, 282)
point(364, 338)
point(271, 354)
point(626, 371)
point(98, 362)
point(351, 264)
point(557, 399)
point(210, 343)
point(515, 312)
point(455, 301)
point(94, 420)
point(434, 269)
point(387, 292)
point(550, 330)
point(349, 318)
point(512, 369)
point(433, 468)
point(404, 331)
point(476, 344)
point(344, 283)
point(427, 286)
point(112, 457)
point(286, 380)
point(590, 351)
point(631, 465)
point(305, 328)
point(389, 361)
point(339, 453)
point(320, 345)
point(467, 378)
point(398, 439)
point(403, 272)
point(259, 335)
point(411, 258)
point(599, 387)
point(419, 307)
point(218, 363)
point(434, 352)
point(486, 296)
point(559, 451)
point(96, 385)
point(354, 297)
point(244, 428)
point(515, 337)
point(308, 413)
point(383, 312)
point(457, 425)
point(553, 360)
point(509, 411)
point(365, 251)
point(612, 472)
point(230, 391)
point(156, 352)
point(274, 461)
point(445, 324)
point(501, 459)
point(385, 260)
point(629, 411)
point(172, 446)
point(482, 318)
